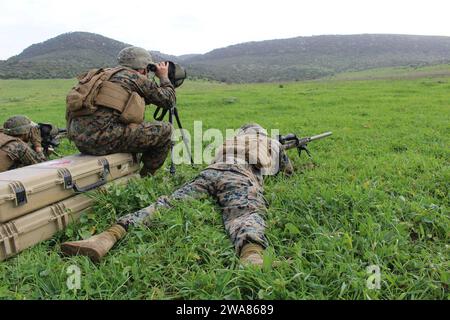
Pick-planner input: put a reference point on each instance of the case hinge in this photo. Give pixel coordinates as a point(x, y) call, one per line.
point(60, 216)
point(9, 239)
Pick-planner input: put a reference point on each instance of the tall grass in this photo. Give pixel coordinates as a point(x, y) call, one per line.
point(377, 195)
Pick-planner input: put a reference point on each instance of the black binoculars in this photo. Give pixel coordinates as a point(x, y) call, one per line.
point(177, 73)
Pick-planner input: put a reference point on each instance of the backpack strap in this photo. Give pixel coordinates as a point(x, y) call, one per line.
point(5, 139)
point(81, 100)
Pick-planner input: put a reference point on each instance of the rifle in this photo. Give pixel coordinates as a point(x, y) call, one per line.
point(291, 141)
point(177, 75)
point(50, 135)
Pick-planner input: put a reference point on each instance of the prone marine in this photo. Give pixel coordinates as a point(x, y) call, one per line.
point(20, 143)
point(234, 180)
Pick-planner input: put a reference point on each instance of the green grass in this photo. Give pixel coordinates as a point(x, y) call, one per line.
point(378, 196)
point(440, 70)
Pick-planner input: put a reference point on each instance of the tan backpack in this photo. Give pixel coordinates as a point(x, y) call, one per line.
point(253, 149)
point(94, 89)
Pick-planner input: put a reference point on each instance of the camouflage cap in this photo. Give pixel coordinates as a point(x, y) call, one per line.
point(134, 57)
point(251, 128)
point(18, 125)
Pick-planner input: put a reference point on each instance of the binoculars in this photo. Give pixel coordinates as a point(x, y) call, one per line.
point(177, 73)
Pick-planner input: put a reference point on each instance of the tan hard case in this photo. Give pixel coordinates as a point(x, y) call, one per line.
point(27, 231)
point(31, 188)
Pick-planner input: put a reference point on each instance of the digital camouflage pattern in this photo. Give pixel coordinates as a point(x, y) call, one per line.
point(16, 154)
point(23, 127)
point(162, 95)
point(35, 138)
point(103, 133)
point(237, 189)
point(240, 198)
point(134, 57)
point(18, 125)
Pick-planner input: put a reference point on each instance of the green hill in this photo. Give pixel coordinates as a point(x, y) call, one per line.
point(301, 58)
point(64, 56)
point(315, 57)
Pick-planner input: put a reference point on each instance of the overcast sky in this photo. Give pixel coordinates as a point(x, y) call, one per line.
point(198, 26)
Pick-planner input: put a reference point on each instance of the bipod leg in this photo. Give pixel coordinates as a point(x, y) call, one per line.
point(177, 118)
point(172, 164)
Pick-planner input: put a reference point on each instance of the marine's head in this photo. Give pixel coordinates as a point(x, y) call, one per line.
point(18, 126)
point(280, 162)
point(135, 58)
point(273, 161)
point(251, 128)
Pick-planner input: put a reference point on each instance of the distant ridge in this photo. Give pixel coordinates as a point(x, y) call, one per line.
point(64, 56)
point(315, 57)
point(299, 58)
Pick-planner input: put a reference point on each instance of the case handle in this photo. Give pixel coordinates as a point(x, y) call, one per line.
point(70, 184)
point(103, 179)
point(89, 187)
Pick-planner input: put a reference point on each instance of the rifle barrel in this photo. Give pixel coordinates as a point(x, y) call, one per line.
point(291, 143)
point(321, 136)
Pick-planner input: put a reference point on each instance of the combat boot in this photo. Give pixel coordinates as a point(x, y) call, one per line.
point(147, 172)
point(252, 254)
point(97, 246)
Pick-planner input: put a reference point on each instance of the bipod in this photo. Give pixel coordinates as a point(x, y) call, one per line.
point(173, 113)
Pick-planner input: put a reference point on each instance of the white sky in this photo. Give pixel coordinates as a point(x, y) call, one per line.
point(198, 26)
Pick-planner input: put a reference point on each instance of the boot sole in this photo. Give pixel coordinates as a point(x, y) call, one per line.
point(74, 250)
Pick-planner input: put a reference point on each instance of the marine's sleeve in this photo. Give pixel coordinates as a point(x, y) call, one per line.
point(21, 153)
point(35, 137)
point(162, 95)
point(285, 163)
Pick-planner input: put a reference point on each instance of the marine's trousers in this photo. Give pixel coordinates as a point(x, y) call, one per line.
point(240, 198)
point(102, 134)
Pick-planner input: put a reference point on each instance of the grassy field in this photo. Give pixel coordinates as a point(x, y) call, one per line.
point(407, 72)
point(378, 195)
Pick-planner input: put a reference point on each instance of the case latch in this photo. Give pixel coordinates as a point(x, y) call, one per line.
point(67, 177)
point(20, 193)
point(106, 169)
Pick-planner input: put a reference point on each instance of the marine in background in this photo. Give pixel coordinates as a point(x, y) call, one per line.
point(105, 111)
point(20, 144)
point(234, 180)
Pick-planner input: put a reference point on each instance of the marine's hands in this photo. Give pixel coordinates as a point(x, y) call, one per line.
point(39, 149)
point(286, 165)
point(162, 70)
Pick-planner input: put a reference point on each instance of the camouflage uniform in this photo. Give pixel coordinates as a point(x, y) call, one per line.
point(238, 190)
point(15, 153)
point(103, 133)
